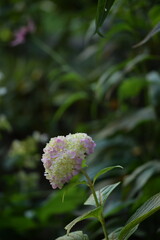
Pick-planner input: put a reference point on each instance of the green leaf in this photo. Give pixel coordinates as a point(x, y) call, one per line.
point(128, 122)
point(4, 123)
point(68, 102)
point(105, 170)
point(102, 195)
point(154, 31)
point(103, 9)
point(153, 79)
point(72, 185)
point(79, 183)
point(131, 87)
point(114, 235)
point(146, 210)
point(141, 175)
point(69, 203)
point(93, 213)
point(154, 15)
point(78, 235)
point(20, 224)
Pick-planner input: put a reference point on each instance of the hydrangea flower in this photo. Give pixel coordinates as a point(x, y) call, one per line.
point(21, 33)
point(63, 156)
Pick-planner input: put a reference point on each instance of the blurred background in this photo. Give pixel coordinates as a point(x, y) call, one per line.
point(58, 77)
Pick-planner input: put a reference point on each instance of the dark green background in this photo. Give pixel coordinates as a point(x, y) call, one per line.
point(66, 79)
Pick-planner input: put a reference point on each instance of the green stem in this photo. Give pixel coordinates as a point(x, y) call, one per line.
point(104, 226)
point(102, 220)
point(90, 184)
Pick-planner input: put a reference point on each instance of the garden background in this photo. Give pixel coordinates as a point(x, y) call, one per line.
point(57, 76)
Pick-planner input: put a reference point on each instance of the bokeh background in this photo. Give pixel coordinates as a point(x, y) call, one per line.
point(58, 77)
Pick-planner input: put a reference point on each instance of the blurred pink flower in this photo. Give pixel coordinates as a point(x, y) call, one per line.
point(20, 34)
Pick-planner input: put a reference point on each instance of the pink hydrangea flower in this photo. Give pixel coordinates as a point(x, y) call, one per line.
point(63, 156)
point(21, 33)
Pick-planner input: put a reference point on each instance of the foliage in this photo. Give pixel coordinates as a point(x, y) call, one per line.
point(78, 235)
point(98, 198)
point(64, 79)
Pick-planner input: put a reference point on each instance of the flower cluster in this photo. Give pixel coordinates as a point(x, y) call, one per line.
point(63, 156)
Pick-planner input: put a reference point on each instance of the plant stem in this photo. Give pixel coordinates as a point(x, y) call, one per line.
point(90, 184)
point(104, 226)
point(98, 204)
